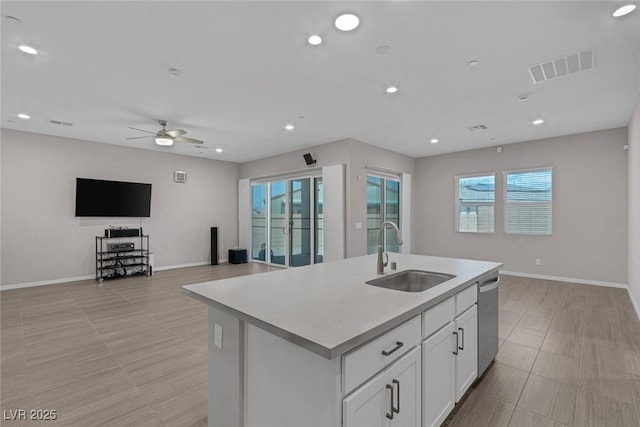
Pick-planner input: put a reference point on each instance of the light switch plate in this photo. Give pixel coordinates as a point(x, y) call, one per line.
point(217, 336)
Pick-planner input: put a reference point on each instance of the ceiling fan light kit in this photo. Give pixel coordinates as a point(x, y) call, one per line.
point(165, 137)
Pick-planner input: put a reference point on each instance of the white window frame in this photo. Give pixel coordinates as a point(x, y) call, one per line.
point(506, 204)
point(457, 202)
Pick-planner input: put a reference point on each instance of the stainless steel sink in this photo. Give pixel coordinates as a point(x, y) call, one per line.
point(411, 280)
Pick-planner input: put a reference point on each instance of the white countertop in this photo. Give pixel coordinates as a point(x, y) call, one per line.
point(327, 308)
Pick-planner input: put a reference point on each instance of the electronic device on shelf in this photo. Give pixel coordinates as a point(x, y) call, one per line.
point(121, 246)
point(122, 232)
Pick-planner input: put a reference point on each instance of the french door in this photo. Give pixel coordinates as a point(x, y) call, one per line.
point(287, 221)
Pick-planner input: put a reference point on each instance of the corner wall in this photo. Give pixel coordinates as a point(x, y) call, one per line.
point(634, 205)
point(42, 240)
point(589, 240)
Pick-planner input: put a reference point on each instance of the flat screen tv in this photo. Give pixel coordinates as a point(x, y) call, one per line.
point(95, 197)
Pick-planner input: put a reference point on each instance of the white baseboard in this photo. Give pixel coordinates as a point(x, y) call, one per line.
point(634, 303)
point(93, 276)
point(565, 279)
point(46, 282)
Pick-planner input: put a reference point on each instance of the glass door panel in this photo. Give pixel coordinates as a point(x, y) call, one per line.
point(318, 240)
point(374, 212)
point(392, 213)
point(278, 219)
point(258, 221)
point(300, 222)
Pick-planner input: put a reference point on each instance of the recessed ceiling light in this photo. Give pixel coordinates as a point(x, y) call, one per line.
point(523, 97)
point(219, 150)
point(538, 121)
point(174, 72)
point(28, 49)
point(314, 40)
point(624, 10)
point(165, 142)
point(383, 50)
point(289, 127)
point(434, 140)
point(392, 89)
point(473, 62)
point(24, 116)
point(347, 22)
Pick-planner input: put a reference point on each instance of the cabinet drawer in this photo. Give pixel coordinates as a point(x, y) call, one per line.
point(466, 298)
point(366, 361)
point(438, 316)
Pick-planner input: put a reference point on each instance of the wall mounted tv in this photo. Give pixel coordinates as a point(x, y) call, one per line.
point(95, 197)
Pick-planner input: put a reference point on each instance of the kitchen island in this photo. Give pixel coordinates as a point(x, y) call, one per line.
point(317, 346)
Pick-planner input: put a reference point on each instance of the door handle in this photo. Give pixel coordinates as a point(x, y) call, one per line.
point(394, 349)
point(397, 408)
point(390, 414)
point(457, 343)
point(461, 333)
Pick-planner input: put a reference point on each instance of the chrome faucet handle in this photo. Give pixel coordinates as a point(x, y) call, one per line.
point(386, 259)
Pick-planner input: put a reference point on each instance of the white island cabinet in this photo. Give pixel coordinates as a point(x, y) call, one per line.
point(318, 347)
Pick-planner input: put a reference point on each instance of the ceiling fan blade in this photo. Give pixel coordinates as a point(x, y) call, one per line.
point(189, 140)
point(141, 130)
point(141, 137)
point(176, 132)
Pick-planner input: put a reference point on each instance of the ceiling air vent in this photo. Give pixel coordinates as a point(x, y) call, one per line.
point(60, 123)
point(180, 177)
point(477, 128)
point(562, 66)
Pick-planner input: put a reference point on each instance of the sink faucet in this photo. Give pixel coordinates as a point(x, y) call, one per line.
point(381, 264)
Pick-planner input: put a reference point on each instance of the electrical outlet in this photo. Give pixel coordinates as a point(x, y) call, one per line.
point(358, 225)
point(217, 336)
point(538, 262)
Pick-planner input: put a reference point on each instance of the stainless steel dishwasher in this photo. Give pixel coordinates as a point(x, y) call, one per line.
point(487, 322)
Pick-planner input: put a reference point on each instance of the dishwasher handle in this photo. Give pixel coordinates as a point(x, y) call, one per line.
point(489, 285)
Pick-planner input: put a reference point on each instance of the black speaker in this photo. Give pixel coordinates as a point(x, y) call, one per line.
point(308, 158)
point(214, 245)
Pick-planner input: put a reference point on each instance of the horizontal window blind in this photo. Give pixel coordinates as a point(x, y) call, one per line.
point(475, 204)
point(528, 202)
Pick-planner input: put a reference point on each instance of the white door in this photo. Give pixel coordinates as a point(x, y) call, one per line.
point(439, 375)
point(390, 399)
point(467, 358)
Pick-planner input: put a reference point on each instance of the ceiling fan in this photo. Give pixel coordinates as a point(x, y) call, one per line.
point(166, 137)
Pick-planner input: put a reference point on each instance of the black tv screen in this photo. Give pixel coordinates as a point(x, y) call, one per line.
point(95, 197)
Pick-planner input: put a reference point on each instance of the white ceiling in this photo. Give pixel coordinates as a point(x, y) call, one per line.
point(246, 71)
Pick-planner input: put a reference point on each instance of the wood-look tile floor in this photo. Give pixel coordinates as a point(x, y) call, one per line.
point(132, 352)
point(569, 356)
point(128, 352)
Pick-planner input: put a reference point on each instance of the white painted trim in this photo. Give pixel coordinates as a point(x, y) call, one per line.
point(405, 213)
point(565, 279)
point(93, 276)
point(46, 282)
point(634, 303)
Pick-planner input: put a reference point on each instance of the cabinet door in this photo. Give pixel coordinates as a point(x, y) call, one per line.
point(467, 358)
point(390, 399)
point(439, 375)
point(406, 380)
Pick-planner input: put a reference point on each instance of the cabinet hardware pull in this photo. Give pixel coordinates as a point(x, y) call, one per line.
point(397, 408)
point(461, 333)
point(398, 345)
point(457, 343)
point(390, 415)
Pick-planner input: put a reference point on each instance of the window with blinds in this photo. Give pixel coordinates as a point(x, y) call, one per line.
point(475, 203)
point(528, 202)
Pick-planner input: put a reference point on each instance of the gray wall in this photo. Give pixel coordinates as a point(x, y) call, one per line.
point(634, 204)
point(589, 238)
point(355, 155)
point(42, 239)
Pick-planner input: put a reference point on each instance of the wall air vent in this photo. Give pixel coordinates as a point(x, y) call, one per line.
point(477, 128)
point(60, 123)
point(562, 66)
